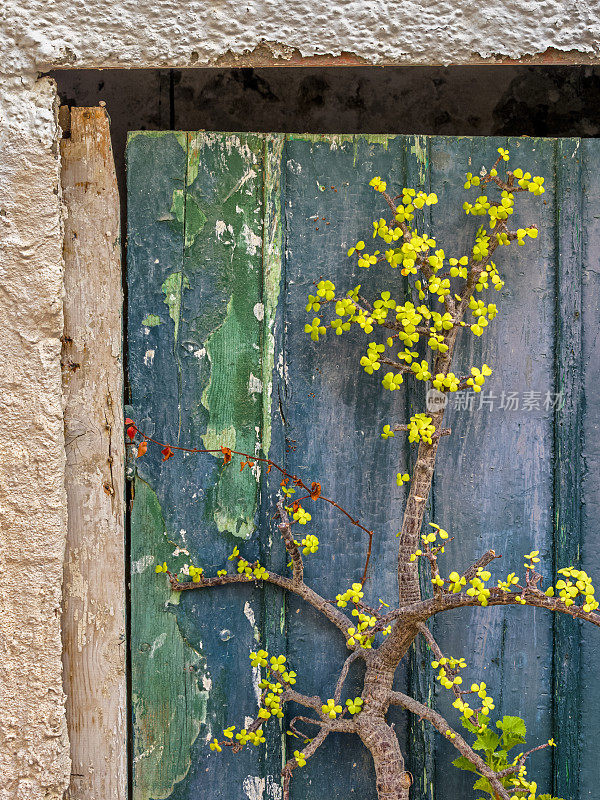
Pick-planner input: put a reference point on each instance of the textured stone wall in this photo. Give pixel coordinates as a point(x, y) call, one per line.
point(34, 755)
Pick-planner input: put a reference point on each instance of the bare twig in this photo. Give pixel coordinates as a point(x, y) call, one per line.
point(343, 674)
point(485, 559)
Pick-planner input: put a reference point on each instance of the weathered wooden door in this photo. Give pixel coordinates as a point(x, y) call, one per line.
point(226, 233)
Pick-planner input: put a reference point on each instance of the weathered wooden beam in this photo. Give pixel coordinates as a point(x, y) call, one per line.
point(93, 620)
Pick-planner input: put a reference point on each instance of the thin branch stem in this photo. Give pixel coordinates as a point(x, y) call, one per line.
point(285, 529)
point(343, 674)
point(440, 724)
point(331, 612)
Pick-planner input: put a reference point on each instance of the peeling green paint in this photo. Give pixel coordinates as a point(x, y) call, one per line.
point(419, 150)
point(172, 288)
point(232, 395)
point(169, 703)
point(236, 491)
point(337, 140)
point(272, 261)
point(151, 320)
point(187, 212)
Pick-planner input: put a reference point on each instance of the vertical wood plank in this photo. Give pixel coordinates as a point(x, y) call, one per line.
point(93, 619)
point(566, 692)
point(272, 551)
point(167, 702)
point(494, 479)
point(589, 155)
point(334, 414)
point(421, 751)
point(204, 283)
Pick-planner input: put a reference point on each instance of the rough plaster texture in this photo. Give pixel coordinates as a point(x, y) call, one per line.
point(135, 33)
point(34, 761)
point(38, 36)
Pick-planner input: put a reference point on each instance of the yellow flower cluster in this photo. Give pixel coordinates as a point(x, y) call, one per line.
point(356, 637)
point(359, 634)
point(351, 595)
point(531, 559)
point(243, 737)
point(421, 370)
point(430, 539)
point(523, 232)
point(521, 783)
point(478, 377)
point(487, 702)
point(392, 381)
point(301, 516)
point(446, 383)
point(381, 229)
point(511, 580)
point(355, 706)
point(252, 571)
point(331, 709)
point(315, 329)
point(309, 544)
point(490, 273)
point(483, 313)
point(577, 584)
point(534, 185)
point(456, 582)
point(420, 428)
point(254, 737)
point(387, 432)
point(370, 362)
point(378, 184)
point(477, 588)
point(481, 246)
point(446, 666)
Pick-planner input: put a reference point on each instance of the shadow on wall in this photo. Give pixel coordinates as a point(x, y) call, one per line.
point(453, 101)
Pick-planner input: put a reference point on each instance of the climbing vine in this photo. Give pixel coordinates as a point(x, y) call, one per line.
point(448, 295)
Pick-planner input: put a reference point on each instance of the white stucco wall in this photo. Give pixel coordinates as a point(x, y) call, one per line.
point(96, 33)
point(36, 36)
point(34, 760)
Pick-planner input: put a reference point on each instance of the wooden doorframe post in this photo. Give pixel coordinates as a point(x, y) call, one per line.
point(93, 618)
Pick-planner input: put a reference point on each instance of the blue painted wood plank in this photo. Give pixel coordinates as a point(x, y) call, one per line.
point(493, 485)
point(334, 416)
point(422, 737)
point(589, 154)
point(567, 676)
point(200, 300)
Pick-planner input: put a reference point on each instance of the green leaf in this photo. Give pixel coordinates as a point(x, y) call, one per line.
point(462, 762)
point(513, 731)
point(468, 725)
point(487, 740)
point(484, 785)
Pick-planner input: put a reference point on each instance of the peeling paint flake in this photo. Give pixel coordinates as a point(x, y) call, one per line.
point(254, 787)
